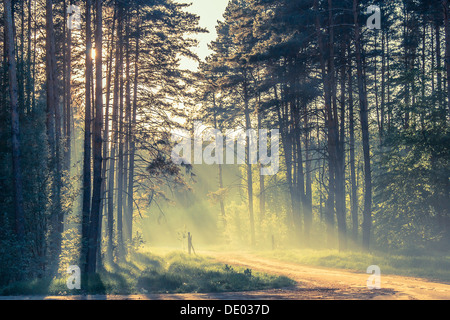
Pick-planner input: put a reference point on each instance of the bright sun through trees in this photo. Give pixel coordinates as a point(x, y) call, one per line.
point(229, 150)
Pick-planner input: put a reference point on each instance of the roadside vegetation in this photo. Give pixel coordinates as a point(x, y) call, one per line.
point(163, 272)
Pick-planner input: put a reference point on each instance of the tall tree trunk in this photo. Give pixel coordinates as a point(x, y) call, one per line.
point(262, 193)
point(114, 133)
point(120, 247)
point(407, 69)
point(64, 82)
point(120, 177)
point(300, 174)
point(249, 165)
point(438, 65)
point(336, 153)
point(33, 96)
point(86, 206)
point(54, 136)
point(221, 203)
point(286, 148)
point(21, 61)
point(446, 113)
point(445, 119)
point(29, 85)
point(423, 75)
point(328, 96)
point(340, 160)
point(307, 205)
point(106, 131)
point(383, 83)
point(15, 125)
point(388, 84)
point(130, 201)
point(51, 87)
point(354, 189)
point(367, 214)
point(95, 221)
point(127, 127)
point(68, 100)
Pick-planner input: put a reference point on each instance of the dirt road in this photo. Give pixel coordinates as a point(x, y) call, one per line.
point(326, 283)
point(312, 283)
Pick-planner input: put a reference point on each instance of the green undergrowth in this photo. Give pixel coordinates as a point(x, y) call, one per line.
point(146, 273)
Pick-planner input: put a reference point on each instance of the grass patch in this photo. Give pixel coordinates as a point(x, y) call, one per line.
point(430, 266)
point(184, 274)
point(173, 272)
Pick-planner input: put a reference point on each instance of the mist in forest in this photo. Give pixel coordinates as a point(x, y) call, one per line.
point(352, 98)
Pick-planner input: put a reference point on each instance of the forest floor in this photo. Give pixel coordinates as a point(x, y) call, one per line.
point(329, 283)
point(312, 283)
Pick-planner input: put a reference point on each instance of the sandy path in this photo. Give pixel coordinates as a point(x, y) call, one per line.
point(313, 283)
point(327, 283)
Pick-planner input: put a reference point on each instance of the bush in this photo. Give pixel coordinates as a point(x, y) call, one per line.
point(185, 274)
point(13, 259)
point(175, 272)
